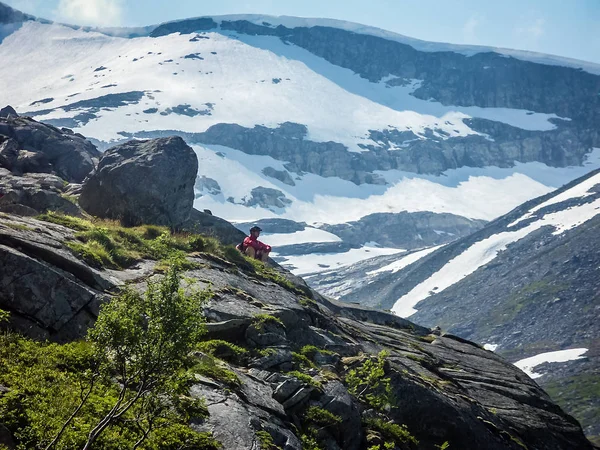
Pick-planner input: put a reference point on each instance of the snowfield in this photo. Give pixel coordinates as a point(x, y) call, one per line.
point(528, 364)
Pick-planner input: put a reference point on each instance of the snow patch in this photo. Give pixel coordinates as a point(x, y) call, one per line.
point(484, 251)
point(528, 364)
point(404, 261)
point(580, 190)
point(320, 262)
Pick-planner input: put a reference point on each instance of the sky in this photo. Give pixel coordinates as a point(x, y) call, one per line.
point(561, 27)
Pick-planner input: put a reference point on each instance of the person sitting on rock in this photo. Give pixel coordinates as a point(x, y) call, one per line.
point(253, 248)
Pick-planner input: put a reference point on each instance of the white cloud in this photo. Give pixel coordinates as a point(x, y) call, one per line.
point(533, 30)
point(469, 29)
point(90, 12)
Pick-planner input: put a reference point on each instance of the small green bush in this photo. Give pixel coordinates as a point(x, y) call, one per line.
point(260, 320)
point(105, 243)
point(310, 351)
point(302, 361)
point(322, 417)
point(266, 441)
point(369, 383)
point(399, 434)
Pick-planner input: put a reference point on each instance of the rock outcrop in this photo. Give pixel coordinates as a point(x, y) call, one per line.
point(35, 193)
point(30, 146)
point(267, 198)
point(37, 162)
point(407, 230)
point(143, 182)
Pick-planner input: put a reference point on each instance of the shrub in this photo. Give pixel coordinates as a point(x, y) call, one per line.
point(369, 383)
point(266, 441)
point(302, 361)
point(399, 434)
point(310, 351)
point(322, 417)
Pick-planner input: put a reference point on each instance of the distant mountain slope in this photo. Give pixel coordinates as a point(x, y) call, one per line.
point(526, 284)
point(315, 120)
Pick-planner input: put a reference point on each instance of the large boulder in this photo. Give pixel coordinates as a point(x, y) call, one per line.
point(148, 181)
point(27, 146)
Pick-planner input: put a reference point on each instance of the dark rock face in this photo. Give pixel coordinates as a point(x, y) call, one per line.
point(88, 109)
point(184, 26)
point(281, 175)
point(8, 111)
point(49, 292)
point(430, 156)
point(483, 79)
point(267, 198)
point(30, 146)
point(407, 230)
point(205, 185)
point(143, 182)
point(488, 80)
point(274, 225)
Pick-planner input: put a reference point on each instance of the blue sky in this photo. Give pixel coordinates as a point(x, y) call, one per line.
point(560, 27)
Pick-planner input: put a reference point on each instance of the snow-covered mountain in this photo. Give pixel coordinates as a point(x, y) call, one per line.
point(316, 121)
point(527, 285)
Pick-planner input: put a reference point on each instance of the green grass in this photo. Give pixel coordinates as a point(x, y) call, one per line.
point(223, 350)
point(301, 361)
point(260, 320)
point(105, 243)
point(310, 351)
point(308, 302)
point(577, 395)
point(211, 368)
point(70, 198)
point(535, 292)
point(304, 378)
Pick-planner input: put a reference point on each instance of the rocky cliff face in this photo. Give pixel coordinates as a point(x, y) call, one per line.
point(441, 388)
point(538, 295)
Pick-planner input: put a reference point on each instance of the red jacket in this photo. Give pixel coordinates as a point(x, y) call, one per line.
point(251, 241)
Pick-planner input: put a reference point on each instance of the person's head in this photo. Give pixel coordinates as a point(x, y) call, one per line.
point(255, 231)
